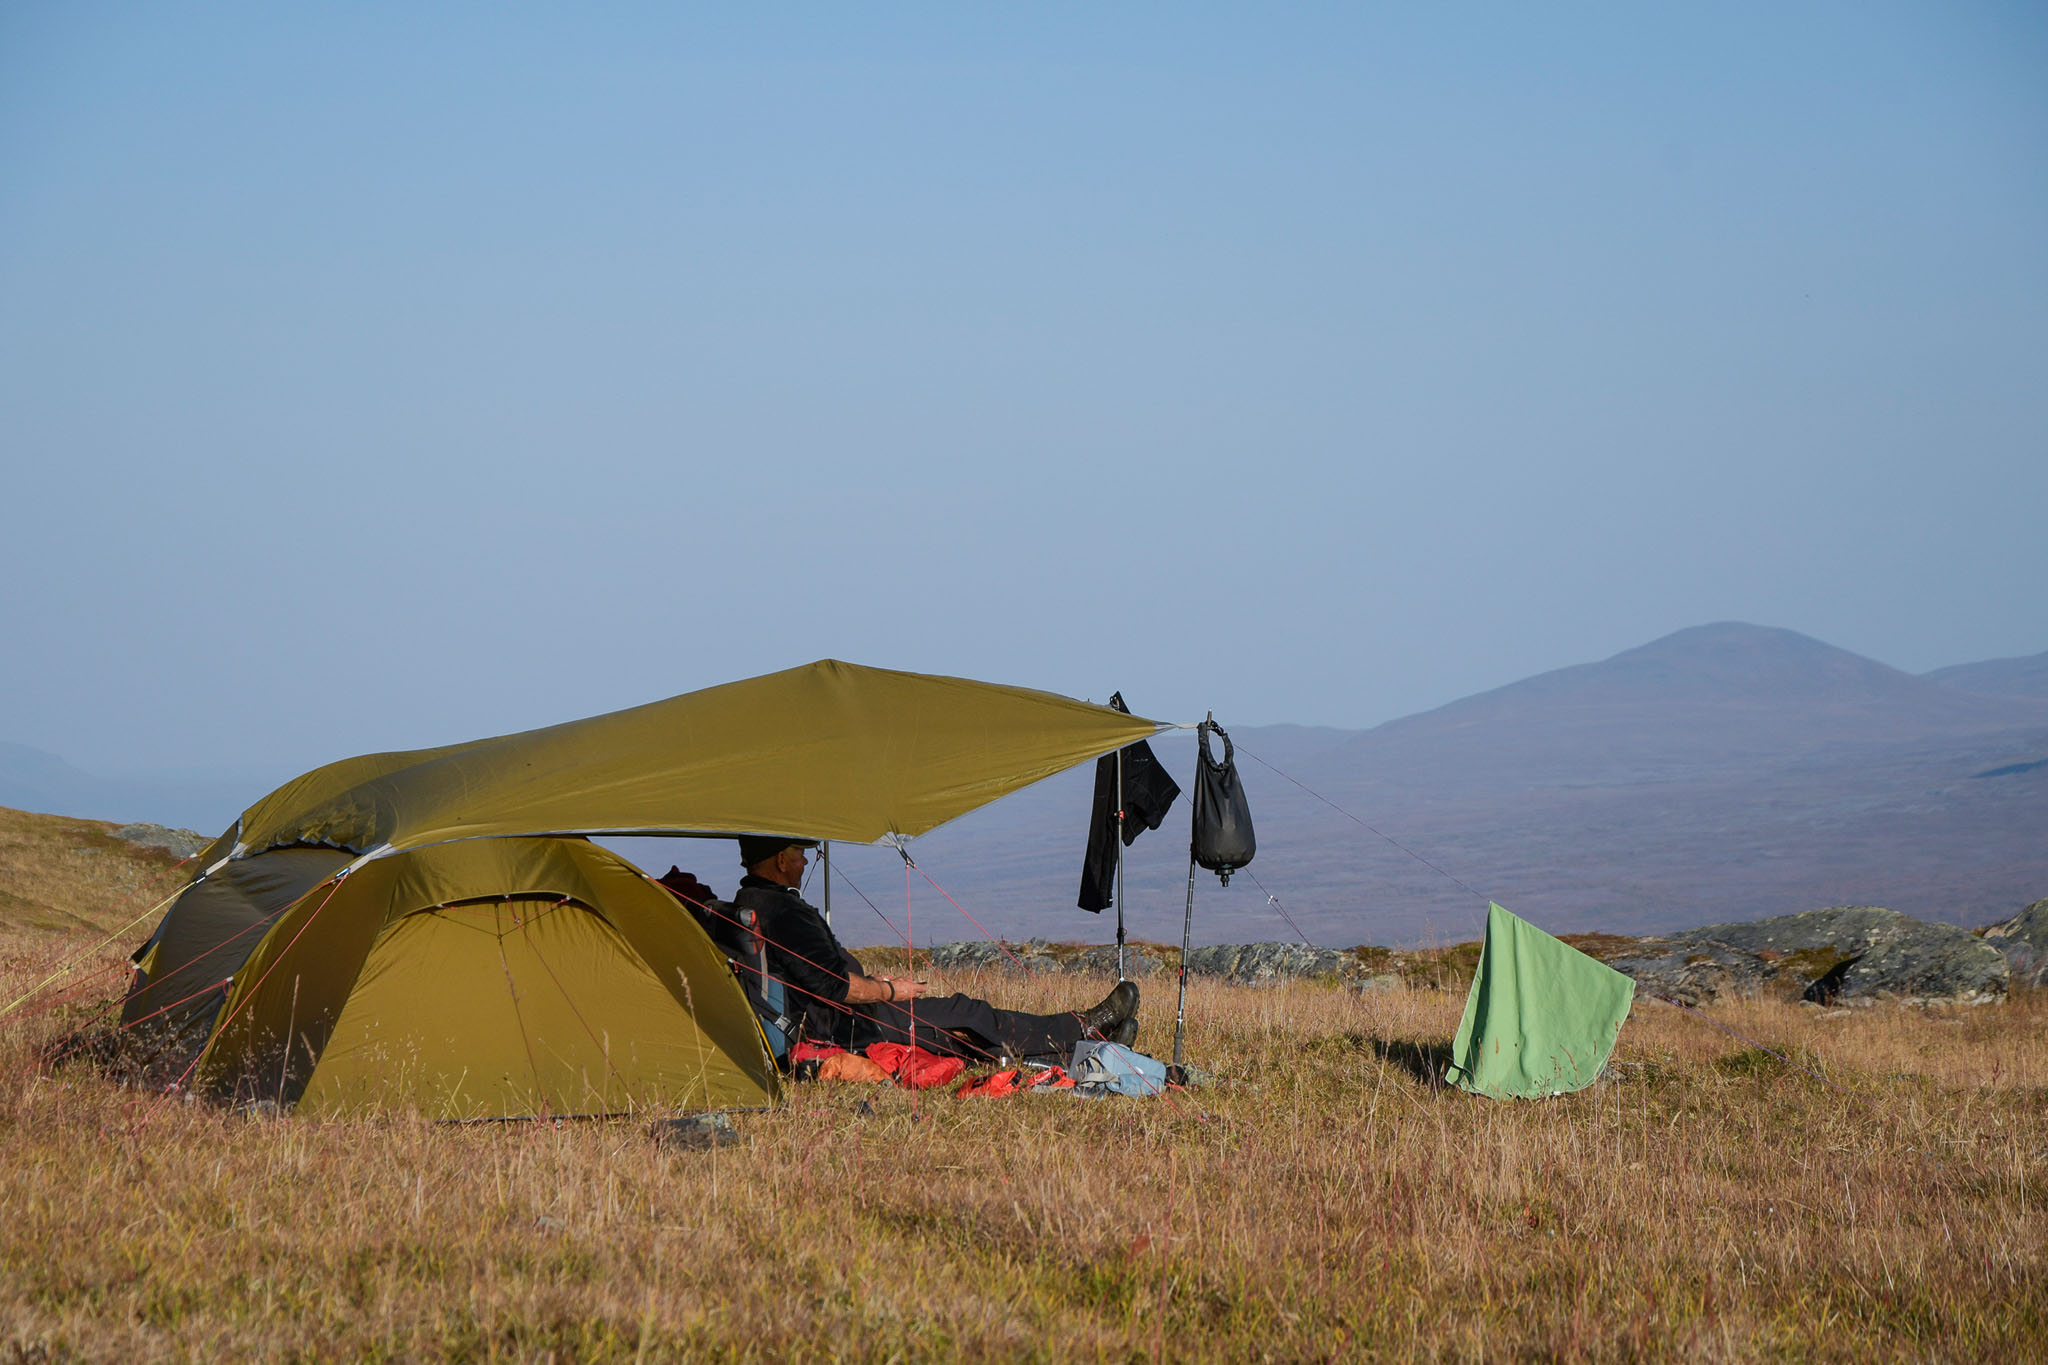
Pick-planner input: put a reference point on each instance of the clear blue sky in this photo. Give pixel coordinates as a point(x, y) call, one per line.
point(373, 377)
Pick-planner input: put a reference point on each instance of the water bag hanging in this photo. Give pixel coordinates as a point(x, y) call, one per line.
point(1223, 839)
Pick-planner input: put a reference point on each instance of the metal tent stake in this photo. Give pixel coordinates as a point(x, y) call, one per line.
point(1120, 866)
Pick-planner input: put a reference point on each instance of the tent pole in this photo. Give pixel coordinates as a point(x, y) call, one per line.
point(825, 865)
point(1120, 866)
point(1187, 926)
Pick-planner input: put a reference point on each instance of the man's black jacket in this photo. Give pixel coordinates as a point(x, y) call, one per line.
point(804, 952)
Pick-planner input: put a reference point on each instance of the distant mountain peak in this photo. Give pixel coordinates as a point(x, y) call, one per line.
point(1726, 635)
point(1737, 659)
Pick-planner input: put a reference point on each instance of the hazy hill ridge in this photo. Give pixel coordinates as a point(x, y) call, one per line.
point(1710, 696)
point(2023, 677)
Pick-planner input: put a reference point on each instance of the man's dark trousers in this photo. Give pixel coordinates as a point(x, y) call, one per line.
point(991, 1031)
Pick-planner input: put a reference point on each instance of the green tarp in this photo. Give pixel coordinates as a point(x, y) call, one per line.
point(1542, 1016)
point(827, 751)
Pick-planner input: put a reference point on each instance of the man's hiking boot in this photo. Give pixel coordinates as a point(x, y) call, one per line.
point(1119, 1005)
point(1125, 1033)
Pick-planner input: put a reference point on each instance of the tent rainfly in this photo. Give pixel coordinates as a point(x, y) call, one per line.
point(826, 751)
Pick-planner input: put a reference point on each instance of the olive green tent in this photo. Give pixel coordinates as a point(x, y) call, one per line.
point(393, 931)
point(484, 978)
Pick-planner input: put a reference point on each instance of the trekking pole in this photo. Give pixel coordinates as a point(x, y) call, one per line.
point(1187, 926)
point(1120, 866)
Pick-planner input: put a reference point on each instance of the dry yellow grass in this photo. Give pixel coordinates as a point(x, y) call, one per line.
point(1321, 1201)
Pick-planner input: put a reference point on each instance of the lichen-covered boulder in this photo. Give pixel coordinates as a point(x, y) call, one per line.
point(2023, 941)
point(1894, 954)
point(989, 956)
point(1103, 959)
point(179, 843)
point(1847, 952)
point(1258, 964)
point(1690, 970)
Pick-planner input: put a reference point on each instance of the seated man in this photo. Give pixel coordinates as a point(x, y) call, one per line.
point(837, 1001)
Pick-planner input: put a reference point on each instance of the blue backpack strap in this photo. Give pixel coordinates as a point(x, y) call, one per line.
point(767, 994)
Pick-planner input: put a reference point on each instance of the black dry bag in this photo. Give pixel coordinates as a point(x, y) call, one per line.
point(1223, 839)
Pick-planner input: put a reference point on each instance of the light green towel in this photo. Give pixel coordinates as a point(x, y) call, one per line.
point(1541, 1018)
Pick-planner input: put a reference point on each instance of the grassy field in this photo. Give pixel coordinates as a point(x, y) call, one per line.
point(1323, 1200)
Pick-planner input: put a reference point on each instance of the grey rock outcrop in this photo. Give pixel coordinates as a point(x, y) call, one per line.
point(2023, 940)
point(1037, 956)
point(1103, 959)
point(1845, 952)
point(1691, 970)
point(1856, 954)
point(1246, 964)
point(1259, 964)
point(986, 956)
point(180, 843)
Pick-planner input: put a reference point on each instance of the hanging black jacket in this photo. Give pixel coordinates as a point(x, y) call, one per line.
point(1148, 794)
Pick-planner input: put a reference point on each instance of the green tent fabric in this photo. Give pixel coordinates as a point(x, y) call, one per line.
point(208, 933)
point(830, 750)
point(481, 979)
point(1541, 1018)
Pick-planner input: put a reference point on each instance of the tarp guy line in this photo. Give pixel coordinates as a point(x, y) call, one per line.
point(841, 1006)
point(81, 1039)
point(120, 1001)
point(83, 986)
point(72, 964)
point(1274, 901)
point(1022, 965)
point(1363, 825)
point(333, 885)
point(998, 942)
point(893, 930)
point(993, 1057)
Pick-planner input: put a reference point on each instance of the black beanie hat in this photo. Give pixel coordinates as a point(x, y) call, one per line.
point(759, 848)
